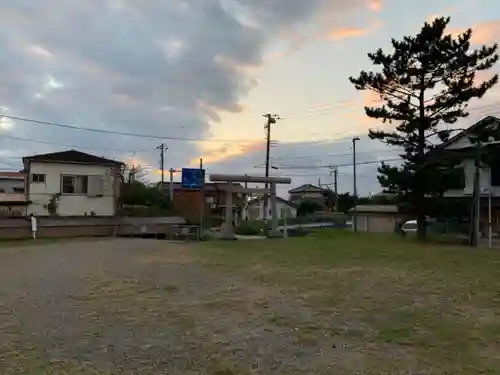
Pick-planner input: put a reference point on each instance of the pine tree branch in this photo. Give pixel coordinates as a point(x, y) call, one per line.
point(378, 91)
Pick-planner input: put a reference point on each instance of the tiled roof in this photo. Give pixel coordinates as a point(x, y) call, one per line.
point(71, 156)
point(375, 208)
point(9, 174)
point(306, 187)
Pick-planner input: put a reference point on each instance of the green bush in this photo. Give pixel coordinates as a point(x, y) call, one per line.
point(249, 228)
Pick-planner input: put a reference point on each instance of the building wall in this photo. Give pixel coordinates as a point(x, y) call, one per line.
point(307, 195)
point(7, 185)
point(469, 169)
point(188, 203)
point(256, 211)
point(484, 181)
point(376, 223)
point(40, 194)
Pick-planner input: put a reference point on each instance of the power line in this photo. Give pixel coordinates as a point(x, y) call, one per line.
point(330, 165)
point(68, 145)
point(129, 134)
point(332, 155)
point(327, 109)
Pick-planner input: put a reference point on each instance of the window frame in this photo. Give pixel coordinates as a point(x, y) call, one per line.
point(37, 180)
point(74, 177)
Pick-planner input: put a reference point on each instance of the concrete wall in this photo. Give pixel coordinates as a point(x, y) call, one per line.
point(376, 223)
point(87, 227)
point(40, 194)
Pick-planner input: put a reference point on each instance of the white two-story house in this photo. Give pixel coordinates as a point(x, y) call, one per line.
point(72, 183)
point(489, 176)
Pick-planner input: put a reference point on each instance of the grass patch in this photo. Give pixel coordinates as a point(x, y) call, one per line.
point(423, 303)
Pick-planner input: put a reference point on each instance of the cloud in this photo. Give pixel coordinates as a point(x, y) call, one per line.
point(482, 33)
point(156, 67)
point(353, 32)
point(375, 5)
point(486, 32)
point(345, 33)
point(303, 165)
point(228, 151)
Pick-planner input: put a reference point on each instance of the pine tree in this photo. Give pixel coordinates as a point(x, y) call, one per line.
point(424, 82)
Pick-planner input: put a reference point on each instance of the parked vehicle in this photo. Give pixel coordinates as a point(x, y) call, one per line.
point(411, 226)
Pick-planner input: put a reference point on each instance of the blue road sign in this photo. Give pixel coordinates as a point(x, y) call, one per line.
point(193, 178)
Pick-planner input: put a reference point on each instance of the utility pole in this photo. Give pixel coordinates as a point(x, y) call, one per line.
point(270, 119)
point(202, 198)
point(171, 187)
point(354, 212)
point(476, 196)
point(335, 187)
point(162, 149)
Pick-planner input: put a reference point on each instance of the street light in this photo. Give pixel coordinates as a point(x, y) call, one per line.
point(354, 213)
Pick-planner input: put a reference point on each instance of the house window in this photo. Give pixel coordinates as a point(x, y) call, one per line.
point(495, 174)
point(18, 190)
point(74, 184)
point(2, 190)
point(38, 178)
point(457, 179)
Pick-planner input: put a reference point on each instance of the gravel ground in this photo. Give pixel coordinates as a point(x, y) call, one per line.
point(130, 306)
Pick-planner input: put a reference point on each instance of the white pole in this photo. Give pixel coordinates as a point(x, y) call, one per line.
point(489, 220)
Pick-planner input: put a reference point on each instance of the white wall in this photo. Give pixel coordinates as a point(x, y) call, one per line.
point(282, 208)
point(469, 169)
point(70, 204)
point(484, 181)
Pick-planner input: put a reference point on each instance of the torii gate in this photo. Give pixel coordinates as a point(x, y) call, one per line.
point(229, 179)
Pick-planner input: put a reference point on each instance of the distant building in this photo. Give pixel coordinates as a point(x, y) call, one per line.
point(256, 209)
point(187, 202)
point(12, 198)
point(376, 218)
point(307, 192)
point(79, 183)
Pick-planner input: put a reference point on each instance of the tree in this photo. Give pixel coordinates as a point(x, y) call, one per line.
point(130, 173)
point(140, 194)
point(309, 207)
point(346, 202)
point(424, 82)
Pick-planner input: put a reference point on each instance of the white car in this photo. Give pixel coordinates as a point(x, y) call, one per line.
point(409, 227)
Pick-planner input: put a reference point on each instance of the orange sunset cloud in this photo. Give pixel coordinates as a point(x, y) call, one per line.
point(228, 151)
point(353, 32)
point(482, 33)
point(375, 5)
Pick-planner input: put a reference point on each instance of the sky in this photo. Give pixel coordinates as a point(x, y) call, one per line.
point(206, 71)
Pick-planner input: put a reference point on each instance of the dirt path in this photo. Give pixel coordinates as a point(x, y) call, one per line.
point(149, 307)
